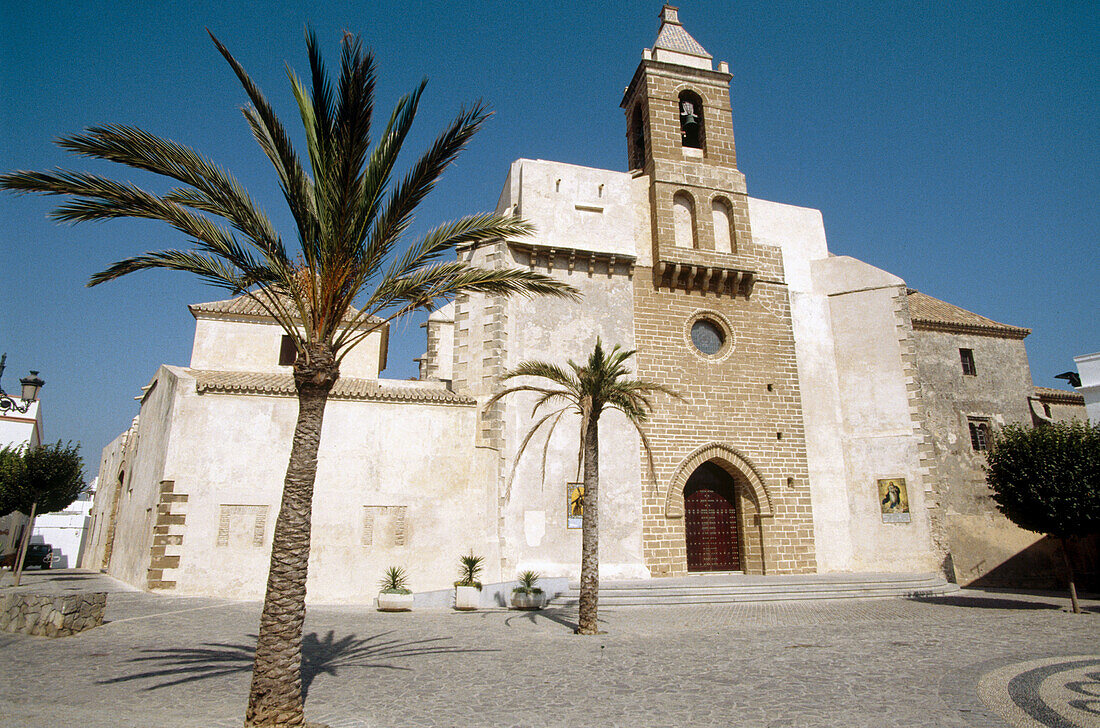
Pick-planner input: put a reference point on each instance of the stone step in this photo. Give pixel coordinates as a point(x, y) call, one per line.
point(726, 588)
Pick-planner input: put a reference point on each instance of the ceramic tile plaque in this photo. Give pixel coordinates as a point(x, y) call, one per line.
point(893, 499)
point(574, 504)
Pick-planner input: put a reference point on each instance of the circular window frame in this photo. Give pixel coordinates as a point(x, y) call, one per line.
point(718, 320)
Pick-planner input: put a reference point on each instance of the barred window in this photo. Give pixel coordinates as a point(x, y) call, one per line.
point(979, 435)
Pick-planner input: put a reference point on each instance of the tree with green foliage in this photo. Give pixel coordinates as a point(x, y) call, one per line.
point(588, 390)
point(1047, 479)
point(37, 480)
point(353, 272)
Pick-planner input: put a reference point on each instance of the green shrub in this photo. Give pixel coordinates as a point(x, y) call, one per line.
point(395, 581)
point(470, 567)
point(527, 581)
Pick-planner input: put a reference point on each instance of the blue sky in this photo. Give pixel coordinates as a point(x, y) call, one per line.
point(953, 144)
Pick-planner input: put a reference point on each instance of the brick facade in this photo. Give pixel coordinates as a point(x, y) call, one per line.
point(741, 408)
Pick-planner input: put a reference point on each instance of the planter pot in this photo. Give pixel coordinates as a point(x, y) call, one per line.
point(395, 602)
point(467, 597)
point(521, 600)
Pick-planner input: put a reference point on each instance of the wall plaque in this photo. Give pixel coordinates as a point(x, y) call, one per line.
point(384, 526)
point(893, 499)
point(574, 504)
point(241, 525)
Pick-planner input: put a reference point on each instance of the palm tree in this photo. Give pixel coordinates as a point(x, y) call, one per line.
point(351, 218)
point(587, 390)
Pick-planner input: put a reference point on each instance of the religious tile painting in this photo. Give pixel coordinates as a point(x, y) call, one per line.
point(893, 499)
point(574, 504)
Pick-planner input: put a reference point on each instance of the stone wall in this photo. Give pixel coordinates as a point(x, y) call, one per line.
point(981, 540)
point(51, 615)
point(747, 401)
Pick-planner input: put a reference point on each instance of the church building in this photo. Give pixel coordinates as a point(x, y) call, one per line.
point(817, 428)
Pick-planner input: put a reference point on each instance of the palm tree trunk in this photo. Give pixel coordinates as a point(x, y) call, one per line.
point(590, 531)
point(275, 698)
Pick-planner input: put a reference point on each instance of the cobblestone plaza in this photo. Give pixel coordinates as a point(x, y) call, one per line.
point(169, 662)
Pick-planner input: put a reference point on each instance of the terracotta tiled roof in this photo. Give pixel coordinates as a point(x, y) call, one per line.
point(673, 37)
point(1064, 396)
point(932, 314)
point(282, 385)
point(247, 306)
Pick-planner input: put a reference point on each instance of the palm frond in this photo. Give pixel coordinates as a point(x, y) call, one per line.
point(524, 388)
point(209, 268)
point(446, 238)
point(215, 190)
point(273, 139)
point(523, 447)
point(545, 370)
point(379, 167)
point(396, 215)
point(442, 281)
point(600, 383)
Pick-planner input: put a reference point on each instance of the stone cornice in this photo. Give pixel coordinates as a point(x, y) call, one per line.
point(704, 274)
point(557, 257)
point(347, 388)
point(1001, 332)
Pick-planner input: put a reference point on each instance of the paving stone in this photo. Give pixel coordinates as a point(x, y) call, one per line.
point(171, 662)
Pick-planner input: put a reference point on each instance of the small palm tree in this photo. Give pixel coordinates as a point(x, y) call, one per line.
point(588, 390)
point(470, 567)
point(395, 580)
point(351, 219)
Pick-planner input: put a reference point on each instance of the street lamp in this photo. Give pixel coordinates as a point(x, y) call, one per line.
point(30, 386)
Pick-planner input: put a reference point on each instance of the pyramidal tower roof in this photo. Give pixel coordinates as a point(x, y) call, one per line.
point(675, 45)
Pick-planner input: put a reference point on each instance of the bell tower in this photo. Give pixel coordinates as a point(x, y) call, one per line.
point(680, 134)
point(712, 321)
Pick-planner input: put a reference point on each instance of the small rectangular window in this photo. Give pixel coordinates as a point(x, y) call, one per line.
point(288, 352)
point(979, 435)
point(967, 357)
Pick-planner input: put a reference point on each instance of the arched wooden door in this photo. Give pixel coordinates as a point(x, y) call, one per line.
point(711, 520)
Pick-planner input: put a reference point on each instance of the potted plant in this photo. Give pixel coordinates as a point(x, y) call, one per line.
point(395, 595)
point(527, 595)
point(468, 588)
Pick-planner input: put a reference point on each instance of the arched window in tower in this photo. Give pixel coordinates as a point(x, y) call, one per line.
point(691, 120)
point(724, 239)
point(683, 219)
point(637, 139)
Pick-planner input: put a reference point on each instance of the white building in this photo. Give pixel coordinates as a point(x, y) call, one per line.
point(801, 444)
point(66, 531)
point(1088, 367)
point(18, 429)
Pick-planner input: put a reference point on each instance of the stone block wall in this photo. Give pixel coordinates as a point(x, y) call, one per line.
point(51, 615)
point(168, 530)
point(746, 403)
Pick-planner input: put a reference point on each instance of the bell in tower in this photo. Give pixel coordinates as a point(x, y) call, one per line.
point(680, 134)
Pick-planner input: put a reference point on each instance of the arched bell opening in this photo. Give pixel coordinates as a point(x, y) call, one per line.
point(636, 135)
point(692, 131)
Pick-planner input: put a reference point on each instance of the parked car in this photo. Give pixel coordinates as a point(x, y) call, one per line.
point(38, 554)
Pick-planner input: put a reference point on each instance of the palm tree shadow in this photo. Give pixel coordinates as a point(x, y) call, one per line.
point(565, 616)
point(181, 665)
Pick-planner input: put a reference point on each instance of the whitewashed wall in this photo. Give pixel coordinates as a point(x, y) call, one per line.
point(252, 345)
point(590, 210)
point(856, 409)
point(232, 450)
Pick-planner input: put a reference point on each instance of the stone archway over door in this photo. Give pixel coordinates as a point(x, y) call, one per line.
point(710, 520)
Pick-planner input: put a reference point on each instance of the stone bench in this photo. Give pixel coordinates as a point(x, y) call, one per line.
point(51, 615)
